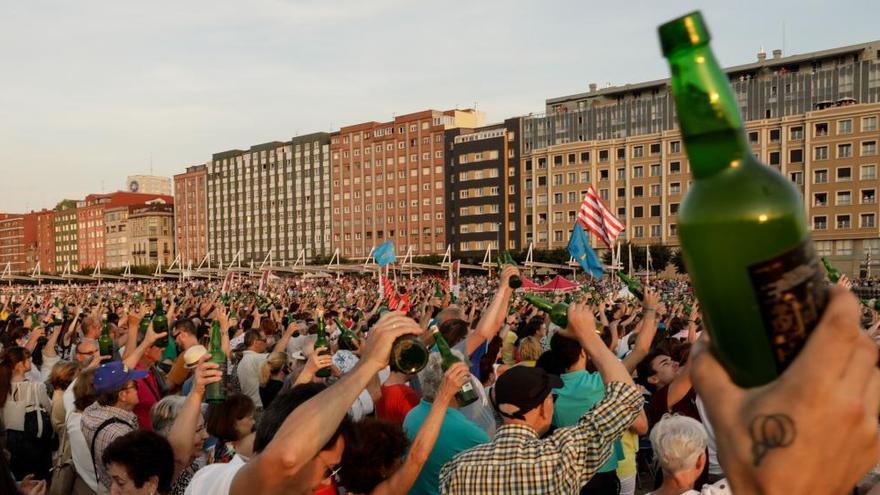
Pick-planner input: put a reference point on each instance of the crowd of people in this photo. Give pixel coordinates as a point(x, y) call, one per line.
point(98, 395)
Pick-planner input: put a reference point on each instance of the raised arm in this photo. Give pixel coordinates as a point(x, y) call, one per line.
point(402, 479)
point(149, 339)
point(646, 333)
point(491, 321)
point(184, 428)
point(582, 327)
point(310, 426)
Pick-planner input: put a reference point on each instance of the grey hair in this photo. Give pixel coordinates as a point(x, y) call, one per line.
point(678, 442)
point(431, 376)
point(164, 412)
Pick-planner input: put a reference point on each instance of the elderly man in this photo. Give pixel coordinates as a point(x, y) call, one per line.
point(457, 432)
point(679, 444)
point(518, 460)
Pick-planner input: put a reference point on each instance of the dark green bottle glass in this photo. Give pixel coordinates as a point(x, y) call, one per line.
point(633, 285)
point(160, 323)
point(515, 282)
point(833, 273)
point(322, 344)
point(742, 225)
point(558, 312)
point(105, 342)
point(466, 394)
point(215, 393)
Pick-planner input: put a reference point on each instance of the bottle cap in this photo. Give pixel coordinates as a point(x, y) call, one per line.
point(684, 32)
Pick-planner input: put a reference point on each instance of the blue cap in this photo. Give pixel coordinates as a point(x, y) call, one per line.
point(112, 376)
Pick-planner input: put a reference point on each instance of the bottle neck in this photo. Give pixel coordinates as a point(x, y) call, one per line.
point(708, 113)
point(442, 346)
point(539, 302)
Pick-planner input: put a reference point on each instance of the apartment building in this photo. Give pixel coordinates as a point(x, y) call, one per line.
point(389, 182)
point(12, 243)
point(151, 234)
point(813, 117)
point(483, 188)
point(117, 251)
point(45, 240)
point(274, 197)
point(191, 214)
point(66, 243)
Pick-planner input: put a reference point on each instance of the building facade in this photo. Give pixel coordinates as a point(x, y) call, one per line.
point(151, 234)
point(45, 240)
point(66, 244)
point(273, 198)
point(482, 188)
point(91, 229)
point(813, 117)
point(148, 184)
point(389, 182)
point(117, 251)
point(191, 214)
point(12, 245)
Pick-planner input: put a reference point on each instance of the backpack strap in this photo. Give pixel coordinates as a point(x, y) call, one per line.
point(105, 424)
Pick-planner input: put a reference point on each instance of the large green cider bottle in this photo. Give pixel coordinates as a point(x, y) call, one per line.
point(742, 225)
point(215, 393)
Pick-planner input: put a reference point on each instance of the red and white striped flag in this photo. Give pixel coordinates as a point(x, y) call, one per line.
point(227, 283)
point(598, 219)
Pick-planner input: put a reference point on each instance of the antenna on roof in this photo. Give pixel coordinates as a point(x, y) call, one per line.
point(783, 37)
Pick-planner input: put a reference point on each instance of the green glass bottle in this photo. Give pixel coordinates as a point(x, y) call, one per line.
point(215, 393)
point(438, 292)
point(833, 273)
point(633, 285)
point(466, 394)
point(558, 312)
point(743, 232)
point(160, 323)
point(349, 338)
point(105, 342)
point(144, 325)
point(408, 352)
point(515, 282)
point(323, 344)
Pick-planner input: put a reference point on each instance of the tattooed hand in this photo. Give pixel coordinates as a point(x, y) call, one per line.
point(814, 429)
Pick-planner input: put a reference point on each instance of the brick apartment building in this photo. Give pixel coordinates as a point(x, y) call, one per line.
point(191, 214)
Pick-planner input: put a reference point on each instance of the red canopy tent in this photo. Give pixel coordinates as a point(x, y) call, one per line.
point(528, 284)
point(559, 283)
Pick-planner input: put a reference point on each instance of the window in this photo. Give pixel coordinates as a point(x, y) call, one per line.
point(557, 236)
point(655, 149)
point(820, 153)
point(843, 248)
point(603, 194)
point(820, 199)
point(585, 156)
point(638, 171)
point(638, 151)
point(844, 126)
point(844, 150)
point(655, 231)
point(843, 198)
point(820, 222)
point(542, 180)
point(843, 222)
point(621, 174)
point(639, 231)
point(675, 147)
point(638, 211)
point(867, 220)
point(820, 176)
point(655, 210)
point(571, 158)
point(823, 248)
point(656, 170)
point(557, 198)
point(820, 130)
point(621, 192)
point(774, 135)
point(673, 208)
point(638, 191)
point(753, 137)
point(603, 155)
point(844, 173)
point(673, 230)
point(774, 158)
point(869, 148)
point(796, 133)
point(557, 180)
point(557, 160)
point(868, 197)
point(796, 156)
point(656, 190)
point(621, 153)
point(868, 172)
point(572, 178)
point(674, 188)
point(585, 177)
point(674, 167)
point(869, 124)
point(603, 174)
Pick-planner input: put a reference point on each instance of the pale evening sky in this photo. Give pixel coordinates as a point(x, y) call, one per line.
point(90, 90)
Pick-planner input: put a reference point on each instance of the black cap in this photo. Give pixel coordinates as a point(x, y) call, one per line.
point(521, 389)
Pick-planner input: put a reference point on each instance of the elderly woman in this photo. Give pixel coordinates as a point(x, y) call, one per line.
point(179, 420)
point(139, 463)
point(679, 444)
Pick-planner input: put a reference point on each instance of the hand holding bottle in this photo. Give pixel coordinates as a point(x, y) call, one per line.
point(377, 349)
point(454, 378)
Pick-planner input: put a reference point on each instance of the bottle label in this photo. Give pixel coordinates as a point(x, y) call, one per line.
point(792, 295)
point(467, 387)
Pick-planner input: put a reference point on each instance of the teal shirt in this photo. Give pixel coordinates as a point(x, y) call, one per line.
point(457, 434)
point(580, 391)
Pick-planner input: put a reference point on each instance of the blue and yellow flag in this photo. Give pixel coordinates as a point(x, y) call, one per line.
point(580, 250)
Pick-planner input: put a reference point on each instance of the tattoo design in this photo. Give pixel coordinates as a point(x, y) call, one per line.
point(770, 431)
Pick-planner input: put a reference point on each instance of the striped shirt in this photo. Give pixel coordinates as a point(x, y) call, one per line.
point(92, 418)
point(518, 462)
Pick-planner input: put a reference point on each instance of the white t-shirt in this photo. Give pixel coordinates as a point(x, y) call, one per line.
point(249, 369)
point(79, 449)
point(714, 465)
point(215, 479)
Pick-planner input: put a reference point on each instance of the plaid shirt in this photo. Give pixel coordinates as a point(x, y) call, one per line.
point(518, 462)
point(92, 418)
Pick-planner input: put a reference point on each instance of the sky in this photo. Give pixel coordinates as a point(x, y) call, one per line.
point(93, 91)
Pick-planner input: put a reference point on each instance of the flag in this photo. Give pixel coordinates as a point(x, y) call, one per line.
point(630, 259)
point(227, 283)
point(390, 294)
point(384, 254)
point(595, 217)
point(456, 271)
point(264, 282)
point(579, 249)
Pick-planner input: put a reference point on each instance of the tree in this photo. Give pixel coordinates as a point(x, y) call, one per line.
point(678, 261)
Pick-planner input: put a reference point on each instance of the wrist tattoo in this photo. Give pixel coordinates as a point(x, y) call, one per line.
point(770, 431)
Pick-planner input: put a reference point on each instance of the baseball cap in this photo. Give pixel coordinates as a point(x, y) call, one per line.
point(112, 376)
point(521, 389)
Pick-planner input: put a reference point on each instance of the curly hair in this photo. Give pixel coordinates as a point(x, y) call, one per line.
point(373, 450)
